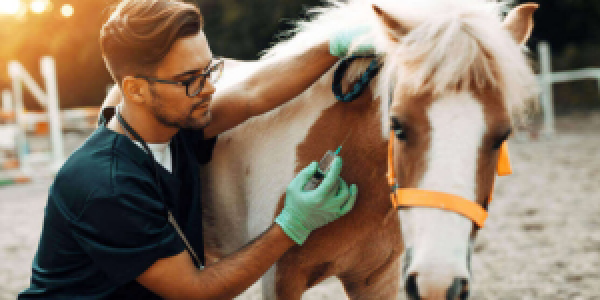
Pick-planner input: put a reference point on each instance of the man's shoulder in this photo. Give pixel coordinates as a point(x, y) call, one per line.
point(84, 175)
point(96, 168)
point(91, 159)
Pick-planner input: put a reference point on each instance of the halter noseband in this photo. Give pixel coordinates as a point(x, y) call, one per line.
point(407, 197)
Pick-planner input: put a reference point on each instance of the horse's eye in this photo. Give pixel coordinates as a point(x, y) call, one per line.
point(398, 129)
point(499, 141)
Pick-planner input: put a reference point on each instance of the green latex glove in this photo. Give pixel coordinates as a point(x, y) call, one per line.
point(305, 211)
point(340, 43)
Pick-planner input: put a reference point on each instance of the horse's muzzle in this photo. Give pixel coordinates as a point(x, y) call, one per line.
point(459, 290)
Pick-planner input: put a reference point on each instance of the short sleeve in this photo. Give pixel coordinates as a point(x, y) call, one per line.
point(126, 231)
point(202, 148)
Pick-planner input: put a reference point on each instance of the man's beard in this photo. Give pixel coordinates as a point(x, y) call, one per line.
point(185, 122)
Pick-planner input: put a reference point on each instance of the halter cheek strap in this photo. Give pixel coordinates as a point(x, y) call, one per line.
point(405, 197)
point(503, 168)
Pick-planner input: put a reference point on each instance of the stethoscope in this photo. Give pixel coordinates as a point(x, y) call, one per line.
point(168, 213)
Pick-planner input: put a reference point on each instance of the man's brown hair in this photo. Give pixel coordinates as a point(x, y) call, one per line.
point(140, 33)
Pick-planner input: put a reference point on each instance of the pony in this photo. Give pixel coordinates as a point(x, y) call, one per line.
point(454, 80)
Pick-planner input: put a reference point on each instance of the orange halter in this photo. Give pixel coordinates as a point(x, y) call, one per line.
point(403, 197)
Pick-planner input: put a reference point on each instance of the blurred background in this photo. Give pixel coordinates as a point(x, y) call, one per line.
point(68, 31)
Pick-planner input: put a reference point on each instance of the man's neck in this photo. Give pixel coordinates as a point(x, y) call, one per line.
point(144, 123)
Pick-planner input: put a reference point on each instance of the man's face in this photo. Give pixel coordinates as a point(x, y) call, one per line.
point(170, 104)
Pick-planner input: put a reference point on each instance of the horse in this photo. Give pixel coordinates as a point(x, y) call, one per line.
point(454, 80)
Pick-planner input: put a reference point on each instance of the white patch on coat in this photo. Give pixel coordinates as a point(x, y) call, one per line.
point(439, 238)
point(253, 164)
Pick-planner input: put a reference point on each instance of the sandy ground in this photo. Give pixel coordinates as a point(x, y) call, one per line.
point(541, 241)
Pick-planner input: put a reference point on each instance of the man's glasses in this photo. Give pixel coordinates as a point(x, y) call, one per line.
point(195, 84)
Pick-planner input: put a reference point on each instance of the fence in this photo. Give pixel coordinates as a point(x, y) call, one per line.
point(547, 79)
point(16, 123)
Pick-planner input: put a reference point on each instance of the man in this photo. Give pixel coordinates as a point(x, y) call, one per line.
point(123, 214)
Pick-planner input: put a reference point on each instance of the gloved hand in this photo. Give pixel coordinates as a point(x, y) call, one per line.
point(340, 43)
point(305, 211)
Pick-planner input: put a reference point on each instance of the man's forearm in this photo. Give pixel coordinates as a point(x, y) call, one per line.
point(260, 86)
point(232, 275)
point(280, 79)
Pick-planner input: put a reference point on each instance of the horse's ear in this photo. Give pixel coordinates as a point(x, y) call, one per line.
point(519, 21)
point(395, 28)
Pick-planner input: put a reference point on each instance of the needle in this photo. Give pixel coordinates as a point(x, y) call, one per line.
point(340, 147)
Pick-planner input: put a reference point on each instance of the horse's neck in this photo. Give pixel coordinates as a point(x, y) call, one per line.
point(253, 163)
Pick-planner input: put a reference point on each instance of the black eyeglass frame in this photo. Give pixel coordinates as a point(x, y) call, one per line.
point(188, 82)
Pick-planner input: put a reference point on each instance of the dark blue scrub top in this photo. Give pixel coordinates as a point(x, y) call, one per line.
point(104, 222)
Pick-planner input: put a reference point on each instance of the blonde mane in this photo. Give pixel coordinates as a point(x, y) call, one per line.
point(452, 45)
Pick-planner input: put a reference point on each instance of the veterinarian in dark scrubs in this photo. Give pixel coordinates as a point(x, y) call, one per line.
point(123, 218)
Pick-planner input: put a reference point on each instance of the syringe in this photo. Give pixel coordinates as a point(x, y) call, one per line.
point(324, 166)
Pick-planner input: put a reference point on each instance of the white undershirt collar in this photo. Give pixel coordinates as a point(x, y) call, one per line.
point(160, 151)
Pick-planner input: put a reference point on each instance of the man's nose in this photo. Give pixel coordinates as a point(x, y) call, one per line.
point(209, 89)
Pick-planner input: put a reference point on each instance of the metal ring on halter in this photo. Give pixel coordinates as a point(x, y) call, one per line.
point(362, 83)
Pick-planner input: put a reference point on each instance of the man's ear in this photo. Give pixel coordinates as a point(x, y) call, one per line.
point(519, 22)
point(395, 28)
point(135, 89)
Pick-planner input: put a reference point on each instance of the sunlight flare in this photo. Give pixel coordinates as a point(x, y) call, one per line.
point(39, 6)
point(10, 7)
point(67, 10)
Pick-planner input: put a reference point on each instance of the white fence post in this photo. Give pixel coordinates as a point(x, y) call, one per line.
point(547, 79)
point(48, 70)
point(49, 100)
point(546, 82)
point(7, 101)
point(21, 141)
point(598, 81)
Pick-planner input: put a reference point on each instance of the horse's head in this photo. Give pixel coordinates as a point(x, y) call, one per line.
point(454, 76)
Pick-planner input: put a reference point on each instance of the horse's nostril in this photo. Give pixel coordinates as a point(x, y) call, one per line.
point(459, 289)
point(410, 286)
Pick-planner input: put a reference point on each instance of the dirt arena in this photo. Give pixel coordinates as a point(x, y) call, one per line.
point(541, 241)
